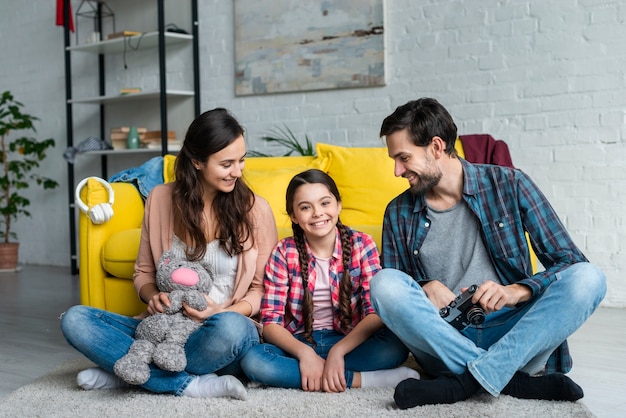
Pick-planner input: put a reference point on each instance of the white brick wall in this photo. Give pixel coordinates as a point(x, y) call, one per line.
point(547, 77)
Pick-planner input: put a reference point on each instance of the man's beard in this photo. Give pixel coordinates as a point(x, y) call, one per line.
point(425, 182)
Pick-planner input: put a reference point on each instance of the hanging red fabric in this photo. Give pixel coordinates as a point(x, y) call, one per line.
point(60, 19)
point(485, 149)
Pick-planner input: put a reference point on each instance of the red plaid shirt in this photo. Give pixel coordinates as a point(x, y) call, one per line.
point(284, 293)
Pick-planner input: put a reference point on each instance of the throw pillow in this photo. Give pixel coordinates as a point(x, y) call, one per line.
point(268, 177)
point(365, 180)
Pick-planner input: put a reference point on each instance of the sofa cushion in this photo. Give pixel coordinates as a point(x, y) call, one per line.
point(365, 180)
point(169, 162)
point(268, 177)
point(271, 163)
point(272, 184)
point(120, 251)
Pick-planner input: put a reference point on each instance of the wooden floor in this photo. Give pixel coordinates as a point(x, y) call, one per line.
point(31, 343)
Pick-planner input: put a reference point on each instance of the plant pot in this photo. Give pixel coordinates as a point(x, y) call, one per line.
point(8, 256)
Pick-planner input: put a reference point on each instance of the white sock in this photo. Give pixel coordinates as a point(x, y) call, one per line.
point(97, 378)
point(387, 378)
point(214, 386)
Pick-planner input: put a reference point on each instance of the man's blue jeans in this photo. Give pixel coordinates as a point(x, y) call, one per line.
point(270, 365)
point(512, 339)
point(216, 347)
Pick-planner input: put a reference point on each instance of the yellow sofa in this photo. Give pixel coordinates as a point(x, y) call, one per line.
point(107, 251)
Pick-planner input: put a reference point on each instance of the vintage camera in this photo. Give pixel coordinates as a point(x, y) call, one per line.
point(461, 312)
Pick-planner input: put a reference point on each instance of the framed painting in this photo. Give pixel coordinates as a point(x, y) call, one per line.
point(294, 45)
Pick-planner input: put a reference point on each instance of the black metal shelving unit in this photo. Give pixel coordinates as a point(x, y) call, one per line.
point(159, 39)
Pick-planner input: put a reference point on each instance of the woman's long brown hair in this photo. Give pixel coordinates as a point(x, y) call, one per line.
point(209, 133)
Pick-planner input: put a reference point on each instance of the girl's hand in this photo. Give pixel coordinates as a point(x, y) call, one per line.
point(158, 303)
point(334, 378)
point(200, 316)
point(311, 370)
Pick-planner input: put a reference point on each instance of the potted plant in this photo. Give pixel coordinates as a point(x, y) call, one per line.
point(286, 138)
point(20, 155)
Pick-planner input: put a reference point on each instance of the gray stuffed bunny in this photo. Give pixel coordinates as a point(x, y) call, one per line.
point(161, 338)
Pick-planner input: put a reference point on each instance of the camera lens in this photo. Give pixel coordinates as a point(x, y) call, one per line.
point(475, 316)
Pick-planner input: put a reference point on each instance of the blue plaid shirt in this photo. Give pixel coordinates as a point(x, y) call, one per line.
point(507, 204)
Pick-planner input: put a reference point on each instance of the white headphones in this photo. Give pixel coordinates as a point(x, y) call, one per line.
point(100, 213)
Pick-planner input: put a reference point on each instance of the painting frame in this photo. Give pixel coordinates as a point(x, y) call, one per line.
point(284, 46)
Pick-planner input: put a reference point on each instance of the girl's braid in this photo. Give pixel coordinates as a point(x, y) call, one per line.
point(345, 289)
point(307, 303)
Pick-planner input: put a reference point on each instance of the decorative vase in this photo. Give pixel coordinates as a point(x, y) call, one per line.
point(132, 141)
point(8, 256)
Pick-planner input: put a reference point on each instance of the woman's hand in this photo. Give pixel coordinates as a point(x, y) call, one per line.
point(158, 302)
point(334, 378)
point(311, 370)
point(200, 316)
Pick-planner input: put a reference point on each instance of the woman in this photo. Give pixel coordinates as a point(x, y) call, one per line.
point(320, 329)
point(208, 213)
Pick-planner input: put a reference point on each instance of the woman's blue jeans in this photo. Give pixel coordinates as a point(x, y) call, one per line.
point(509, 340)
point(216, 347)
point(270, 365)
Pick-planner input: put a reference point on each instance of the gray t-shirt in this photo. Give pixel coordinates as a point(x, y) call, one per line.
point(454, 252)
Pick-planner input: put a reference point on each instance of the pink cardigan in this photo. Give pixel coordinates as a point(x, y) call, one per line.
point(158, 231)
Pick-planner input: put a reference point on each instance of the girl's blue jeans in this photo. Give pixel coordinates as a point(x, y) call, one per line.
point(270, 365)
point(216, 347)
point(512, 339)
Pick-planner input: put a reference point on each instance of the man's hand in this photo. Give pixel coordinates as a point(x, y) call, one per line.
point(492, 296)
point(438, 293)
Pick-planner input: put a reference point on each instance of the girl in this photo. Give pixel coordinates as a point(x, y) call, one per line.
point(320, 329)
point(208, 213)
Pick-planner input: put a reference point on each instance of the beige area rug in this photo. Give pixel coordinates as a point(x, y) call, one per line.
point(56, 395)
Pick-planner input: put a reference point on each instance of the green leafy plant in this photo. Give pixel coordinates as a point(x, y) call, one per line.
point(286, 138)
point(19, 157)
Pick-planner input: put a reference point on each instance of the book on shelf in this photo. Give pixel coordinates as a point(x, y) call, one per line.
point(122, 34)
point(118, 136)
point(130, 90)
point(119, 144)
point(171, 145)
point(157, 135)
point(148, 139)
point(126, 129)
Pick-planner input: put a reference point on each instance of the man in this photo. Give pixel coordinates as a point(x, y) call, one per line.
point(462, 224)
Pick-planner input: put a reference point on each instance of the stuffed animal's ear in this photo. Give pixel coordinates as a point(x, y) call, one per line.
point(166, 258)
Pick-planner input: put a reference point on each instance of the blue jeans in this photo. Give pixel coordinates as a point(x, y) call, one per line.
point(512, 339)
point(216, 347)
point(270, 365)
